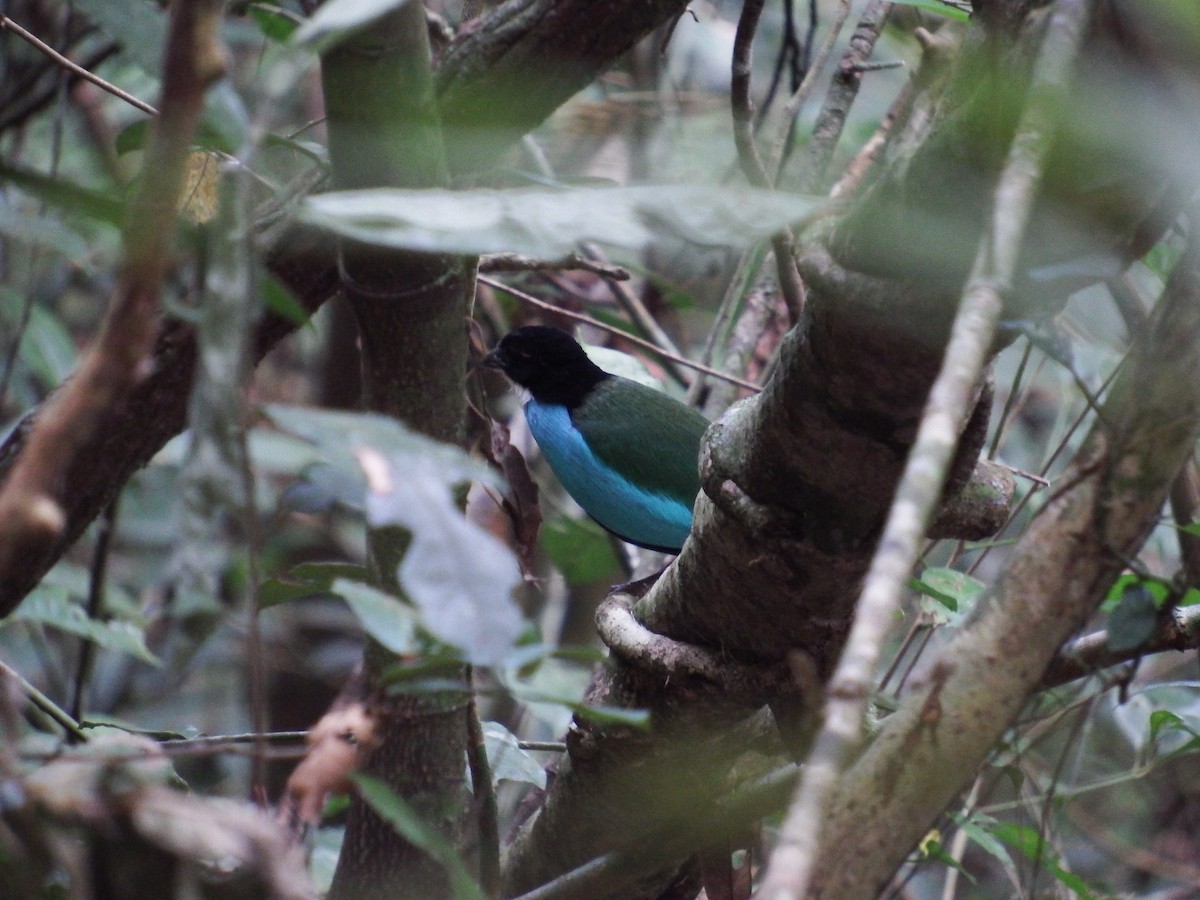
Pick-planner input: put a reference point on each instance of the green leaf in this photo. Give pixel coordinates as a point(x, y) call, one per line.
point(44, 231)
point(392, 808)
point(580, 549)
point(133, 138)
point(1162, 718)
point(1160, 588)
point(941, 9)
point(74, 199)
point(607, 715)
point(977, 829)
point(338, 434)
point(1134, 620)
point(50, 604)
point(1029, 842)
point(933, 849)
point(384, 617)
point(508, 761)
point(318, 153)
point(952, 593)
point(139, 26)
point(307, 579)
point(464, 605)
point(336, 19)
point(550, 222)
point(279, 300)
point(275, 23)
point(459, 575)
point(46, 347)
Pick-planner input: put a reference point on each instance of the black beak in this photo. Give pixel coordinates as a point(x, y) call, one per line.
point(492, 360)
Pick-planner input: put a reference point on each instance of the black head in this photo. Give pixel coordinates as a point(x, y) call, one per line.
point(548, 363)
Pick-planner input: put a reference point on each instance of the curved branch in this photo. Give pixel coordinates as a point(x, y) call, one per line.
point(32, 515)
point(1115, 489)
point(950, 402)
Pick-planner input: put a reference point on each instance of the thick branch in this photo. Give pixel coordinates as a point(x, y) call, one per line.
point(950, 402)
point(501, 79)
point(1113, 493)
point(32, 518)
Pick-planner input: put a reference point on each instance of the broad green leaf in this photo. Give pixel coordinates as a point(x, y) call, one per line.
point(528, 654)
point(459, 575)
point(318, 153)
point(392, 808)
point(1160, 589)
point(609, 715)
point(276, 23)
point(550, 222)
point(385, 618)
point(337, 18)
point(46, 348)
point(1133, 622)
point(580, 549)
point(50, 604)
point(1029, 842)
point(977, 829)
point(44, 231)
point(339, 434)
point(74, 199)
point(1164, 718)
point(508, 761)
point(949, 10)
point(139, 26)
point(280, 301)
point(932, 848)
point(307, 579)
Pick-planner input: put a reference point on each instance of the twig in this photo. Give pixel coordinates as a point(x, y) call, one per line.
point(95, 602)
point(1087, 655)
point(45, 704)
point(222, 740)
point(792, 108)
point(483, 788)
point(920, 486)
point(596, 323)
point(783, 243)
point(739, 96)
point(519, 262)
point(843, 91)
point(636, 310)
point(31, 517)
point(6, 22)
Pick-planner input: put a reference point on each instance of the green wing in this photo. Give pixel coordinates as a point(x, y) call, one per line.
point(650, 438)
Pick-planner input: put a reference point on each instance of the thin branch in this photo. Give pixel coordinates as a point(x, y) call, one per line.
point(1089, 654)
point(71, 66)
point(742, 106)
point(596, 323)
point(792, 109)
point(636, 310)
point(31, 515)
point(45, 704)
point(483, 787)
point(949, 404)
point(519, 262)
point(95, 603)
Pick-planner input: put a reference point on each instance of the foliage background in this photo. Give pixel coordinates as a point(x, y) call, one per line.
point(175, 615)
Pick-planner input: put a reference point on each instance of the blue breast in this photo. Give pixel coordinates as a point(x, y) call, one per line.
point(629, 511)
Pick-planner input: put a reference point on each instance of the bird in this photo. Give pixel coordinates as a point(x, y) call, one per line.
point(627, 453)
